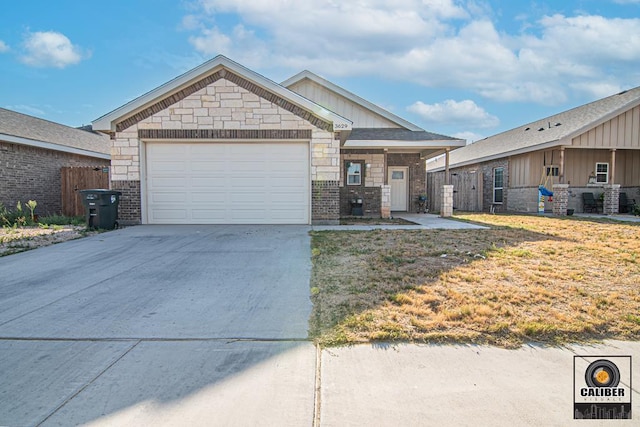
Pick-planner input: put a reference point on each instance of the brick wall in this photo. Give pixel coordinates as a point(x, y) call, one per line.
point(417, 173)
point(325, 202)
point(129, 207)
point(371, 200)
point(487, 171)
point(31, 173)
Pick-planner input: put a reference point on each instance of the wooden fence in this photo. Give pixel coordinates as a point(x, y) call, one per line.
point(467, 190)
point(80, 178)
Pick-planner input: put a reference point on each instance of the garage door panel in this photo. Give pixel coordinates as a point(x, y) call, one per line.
point(170, 214)
point(225, 183)
point(162, 182)
point(169, 197)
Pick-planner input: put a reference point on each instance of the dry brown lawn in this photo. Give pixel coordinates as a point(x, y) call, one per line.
point(526, 279)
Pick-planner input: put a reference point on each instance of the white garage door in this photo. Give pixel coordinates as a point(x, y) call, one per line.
point(227, 183)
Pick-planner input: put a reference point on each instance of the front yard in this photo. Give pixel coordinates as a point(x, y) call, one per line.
point(527, 278)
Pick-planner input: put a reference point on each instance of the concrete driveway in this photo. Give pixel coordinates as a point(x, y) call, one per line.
point(148, 324)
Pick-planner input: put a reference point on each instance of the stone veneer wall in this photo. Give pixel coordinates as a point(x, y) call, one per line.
point(32, 173)
point(224, 105)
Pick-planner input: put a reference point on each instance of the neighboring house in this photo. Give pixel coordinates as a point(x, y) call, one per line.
point(32, 153)
point(592, 148)
point(223, 144)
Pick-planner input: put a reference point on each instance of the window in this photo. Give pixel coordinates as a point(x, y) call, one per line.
point(354, 173)
point(602, 173)
point(552, 170)
point(498, 184)
point(397, 175)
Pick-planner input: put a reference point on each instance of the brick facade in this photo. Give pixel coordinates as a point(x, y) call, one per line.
point(32, 173)
point(371, 200)
point(129, 208)
point(325, 202)
point(417, 174)
point(487, 193)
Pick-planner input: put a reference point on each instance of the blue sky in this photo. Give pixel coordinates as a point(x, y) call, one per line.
point(463, 68)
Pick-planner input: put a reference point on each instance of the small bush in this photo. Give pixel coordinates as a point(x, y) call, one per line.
point(15, 218)
point(61, 220)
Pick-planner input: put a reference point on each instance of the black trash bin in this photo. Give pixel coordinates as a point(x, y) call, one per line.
point(101, 208)
point(356, 207)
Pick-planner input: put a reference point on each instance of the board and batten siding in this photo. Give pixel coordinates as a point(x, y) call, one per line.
point(361, 117)
point(621, 132)
point(579, 164)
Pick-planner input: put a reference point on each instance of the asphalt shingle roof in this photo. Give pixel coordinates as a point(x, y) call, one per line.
point(29, 127)
point(394, 134)
point(560, 127)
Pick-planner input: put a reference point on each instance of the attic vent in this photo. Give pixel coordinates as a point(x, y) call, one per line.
point(527, 129)
point(558, 124)
point(623, 92)
point(540, 130)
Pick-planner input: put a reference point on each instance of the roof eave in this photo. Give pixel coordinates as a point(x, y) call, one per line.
point(51, 146)
point(108, 121)
point(396, 144)
point(524, 150)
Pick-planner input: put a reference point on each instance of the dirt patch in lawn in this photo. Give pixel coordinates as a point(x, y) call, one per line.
point(20, 239)
point(355, 220)
point(526, 278)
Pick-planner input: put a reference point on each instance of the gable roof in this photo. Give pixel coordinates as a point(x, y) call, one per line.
point(351, 97)
point(23, 129)
point(552, 131)
point(204, 74)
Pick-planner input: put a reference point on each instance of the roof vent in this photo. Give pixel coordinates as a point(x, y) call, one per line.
point(540, 130)
point(558, 124)
point(527, 129)
point(623, 92)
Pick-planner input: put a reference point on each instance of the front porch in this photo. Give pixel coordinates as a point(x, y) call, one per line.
point(384, 170)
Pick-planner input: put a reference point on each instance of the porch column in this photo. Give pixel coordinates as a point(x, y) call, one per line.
point(560, 199)
point(385, 202)
point(561, 171)
point(611, 199)
point(447, 178)
point(612, 169)
point(446, 209)
point(385, 169)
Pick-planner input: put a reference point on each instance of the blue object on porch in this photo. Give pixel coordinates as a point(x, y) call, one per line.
point(545, 192)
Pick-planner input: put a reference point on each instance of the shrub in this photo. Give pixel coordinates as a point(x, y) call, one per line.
point(61, 220)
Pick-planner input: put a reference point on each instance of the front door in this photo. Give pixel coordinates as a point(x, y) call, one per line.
point(398, 179)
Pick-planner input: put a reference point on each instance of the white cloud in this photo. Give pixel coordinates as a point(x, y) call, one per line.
point(3, 47)
point(50, 49)
point(27, 109)
point(469, 136)
point(436, 43)
point(450, 112)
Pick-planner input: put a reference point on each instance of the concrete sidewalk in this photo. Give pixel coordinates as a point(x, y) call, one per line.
point(421, 222)
point(455, 385)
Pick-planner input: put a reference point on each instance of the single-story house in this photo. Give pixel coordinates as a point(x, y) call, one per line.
point(223, 144)
point(32, 153)
point(594, 148)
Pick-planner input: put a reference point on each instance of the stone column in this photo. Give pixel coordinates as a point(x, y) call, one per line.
point(446, 210)
point(610, 205)
point(560, 199)
point(385, 202)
